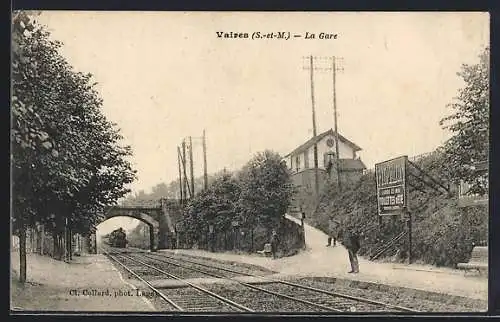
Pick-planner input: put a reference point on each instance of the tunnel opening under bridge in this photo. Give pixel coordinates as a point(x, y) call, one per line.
point(115, 219)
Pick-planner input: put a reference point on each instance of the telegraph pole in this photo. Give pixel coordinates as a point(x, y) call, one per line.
point(191, 167)
point(316, 182)
point(205, 173)
point(334, 71)
point(180, 173)
point(185, 185)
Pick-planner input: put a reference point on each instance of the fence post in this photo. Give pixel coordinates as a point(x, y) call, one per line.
point(70, 243)
point(225, 240)
point(30, 240)
point(409, 237)
point(54, 244)
point(251, 242)
point(42, 232)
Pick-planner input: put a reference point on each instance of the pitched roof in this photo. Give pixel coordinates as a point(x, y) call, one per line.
point(318, 138)
point(351, 164)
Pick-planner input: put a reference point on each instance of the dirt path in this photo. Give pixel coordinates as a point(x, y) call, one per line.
point(88, 283)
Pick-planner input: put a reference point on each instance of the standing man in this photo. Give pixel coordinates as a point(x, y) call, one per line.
point(352, 244)
point(274, 243)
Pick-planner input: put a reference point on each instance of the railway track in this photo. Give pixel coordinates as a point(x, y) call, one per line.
point(193, 298)
point(309, 298)
point(358, 302)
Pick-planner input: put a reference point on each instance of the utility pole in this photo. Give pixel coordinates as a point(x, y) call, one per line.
point(191, 167)
point(185, 185)
point(180, 174)
point(334, 71)
point(205, 173)
point(316, 182)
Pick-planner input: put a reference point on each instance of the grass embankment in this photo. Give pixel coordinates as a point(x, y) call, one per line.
point(443, 234)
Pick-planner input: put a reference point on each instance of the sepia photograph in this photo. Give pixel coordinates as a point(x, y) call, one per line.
point(267, 162)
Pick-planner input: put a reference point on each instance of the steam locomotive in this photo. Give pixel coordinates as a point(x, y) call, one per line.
point(117, 238)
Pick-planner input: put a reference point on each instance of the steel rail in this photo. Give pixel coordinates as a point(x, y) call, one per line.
point(178, 307)
point(328, 308)
point(351, 297)
point(217, 296)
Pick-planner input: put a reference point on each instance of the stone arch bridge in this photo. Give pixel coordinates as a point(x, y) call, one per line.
point(160, 215)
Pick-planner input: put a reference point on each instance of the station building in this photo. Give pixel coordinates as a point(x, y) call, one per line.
point(301, 164)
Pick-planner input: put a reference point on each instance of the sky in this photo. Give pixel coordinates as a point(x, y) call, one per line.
point(107, 226)
point(165, 76)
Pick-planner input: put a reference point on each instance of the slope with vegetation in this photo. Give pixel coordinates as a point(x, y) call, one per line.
point(443, 233)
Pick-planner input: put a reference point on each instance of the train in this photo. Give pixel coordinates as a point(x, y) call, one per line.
point(117, 238)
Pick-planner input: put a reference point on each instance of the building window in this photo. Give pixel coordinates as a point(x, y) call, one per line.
point(297, 163)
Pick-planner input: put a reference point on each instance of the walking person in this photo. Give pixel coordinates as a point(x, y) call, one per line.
point(352, 244)
point(274, 243)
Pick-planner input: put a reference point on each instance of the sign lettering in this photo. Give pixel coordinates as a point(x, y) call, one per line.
point(391, 185)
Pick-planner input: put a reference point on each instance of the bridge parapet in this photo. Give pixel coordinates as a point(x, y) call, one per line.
point(131, 208)
point(161, 215)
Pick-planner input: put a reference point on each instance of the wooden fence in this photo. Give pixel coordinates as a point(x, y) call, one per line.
point(40, 242)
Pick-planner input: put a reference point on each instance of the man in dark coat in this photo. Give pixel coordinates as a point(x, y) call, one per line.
point(351, 242)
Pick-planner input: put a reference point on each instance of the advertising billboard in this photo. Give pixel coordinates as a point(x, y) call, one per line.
point(391, 186)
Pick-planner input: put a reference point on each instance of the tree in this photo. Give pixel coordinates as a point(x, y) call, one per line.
point(217, 205)
point(67, 163)
point(266, 190)
point(470, 126)
point(259, 194)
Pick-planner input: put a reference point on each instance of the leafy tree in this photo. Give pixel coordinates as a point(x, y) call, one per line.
point(67, 163)
point(470, 125)
point(266, 189)
point(227, 189)
point(139, 236)
point(217, 205)
point(258, 195)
